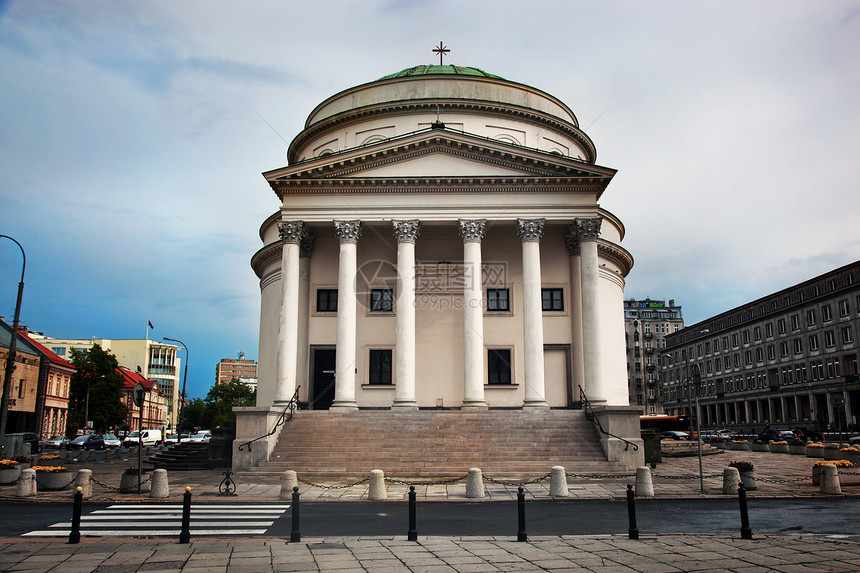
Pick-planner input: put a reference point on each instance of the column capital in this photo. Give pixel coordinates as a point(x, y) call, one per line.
point(306, 246)
point(291, 231)
point(406, 231)
point(348, 231)
point(472, 230)
point(588, 229)
point(572, 244)
point(530, 230)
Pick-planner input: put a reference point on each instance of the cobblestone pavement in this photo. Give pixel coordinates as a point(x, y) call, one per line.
point(778, 475)
point(611, 553)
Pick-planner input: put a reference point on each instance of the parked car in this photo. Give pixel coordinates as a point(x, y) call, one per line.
point(149, 438)
point(87, 442)
point(674, 435)
point(713, 436)
point(174, 439)
point(777, 436)
point(854, 441)
point(111, 441)
point(200, 437)
point(34, 441)
point(56, 442)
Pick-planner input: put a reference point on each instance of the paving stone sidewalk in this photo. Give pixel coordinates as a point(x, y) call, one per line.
point(610, 553)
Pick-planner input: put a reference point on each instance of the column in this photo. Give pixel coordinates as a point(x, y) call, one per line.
point(587, 231)
point(530, 232)
point(405, 233)
point(288, 322)
point(348, 233)
point(306, 249)
point(578, 366)
point(472, 232)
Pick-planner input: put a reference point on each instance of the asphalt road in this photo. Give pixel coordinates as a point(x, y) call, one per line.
point(836, 517)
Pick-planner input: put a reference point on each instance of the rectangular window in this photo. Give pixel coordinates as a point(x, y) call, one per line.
point(499, 366)
point(813, 343)
point(829, 339)
point(737, 360)
point(768, 330)
point(795, 322)
point(497, 299)
point(826, 313)
point(381, 300)
point(759, 355)
point(780, 325)
point(771, 352)
point(757, 333)
point(59, 351)
point(844, 309)
point(380, 367)
point(725, 343)
point(726, 363)
point(746, 334)
point(716, 345)
point(783, 349)
point(326, 300)
point(552, 299)
point(847, 337)
point(735, 340)
point(747, 357)
point(810, 317)
point(798, 346)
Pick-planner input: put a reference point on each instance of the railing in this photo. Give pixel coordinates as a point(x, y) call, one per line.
point(285, 417)
point(592, 417)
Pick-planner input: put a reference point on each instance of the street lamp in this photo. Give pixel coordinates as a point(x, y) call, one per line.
point(182, 396)
point(13, 345)
point(697, 382)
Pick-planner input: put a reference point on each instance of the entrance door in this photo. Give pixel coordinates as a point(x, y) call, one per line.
point(322, 378)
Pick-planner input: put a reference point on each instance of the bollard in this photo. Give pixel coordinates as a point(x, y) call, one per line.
point(289, 480)
point(746, 532)
point(644, 485)
point(185, 534)
point(160, 487)
point(26, 483)
point(70, 457)
point(295, 534)
point(731, 477)
point(521, 515)
point(84, 483)
point(108, 456)
point(830, 480)
point(377, 492)
point(558, 482)
point(412, 534)
point(632, 531)
point(475, 483)
point(75, 533)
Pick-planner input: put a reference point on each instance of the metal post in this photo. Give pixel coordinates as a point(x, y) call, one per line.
point(632, 531)
point(10, 360)
point(746, 532)
point(75, 533)
point(412, 534)
point(140, 448)
point(697, 378)
point(185, 534)
point(295, 534)
point(521, 515)
point(182, 396)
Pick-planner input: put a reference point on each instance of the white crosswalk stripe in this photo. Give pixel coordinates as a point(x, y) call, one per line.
point(164, 520)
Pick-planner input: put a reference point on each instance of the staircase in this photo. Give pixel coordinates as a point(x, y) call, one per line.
point(511, 444)
point(182, 456)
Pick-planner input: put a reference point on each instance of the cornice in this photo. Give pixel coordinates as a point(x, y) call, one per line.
point(437, 185)
point(430, 106)
point(265, 256)
point(616, 255)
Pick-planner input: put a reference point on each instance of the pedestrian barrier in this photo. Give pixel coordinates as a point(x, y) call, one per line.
point(521, 515)
point(295, 532)
point(632, 530)
point(412, 533)
point(75, 533)
point(185, 533)
point(746, 532)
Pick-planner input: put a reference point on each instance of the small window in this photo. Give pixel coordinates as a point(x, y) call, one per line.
point(795, 322)
point(380, 367)
point(813, 343)
point(810, 317)
point(552, 299)
point(781, 325)
point(829, 339)
point(826, 313)
point(798, 346)
point(499, 366)
point(381, 300)
point(327, 300)
point(844, 309)
point(847, 337)
point(498, 299)
point(768, 329)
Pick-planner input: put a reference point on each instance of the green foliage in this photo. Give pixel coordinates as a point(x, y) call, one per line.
point(193, 414)
point(97, 376)
point(216, 410)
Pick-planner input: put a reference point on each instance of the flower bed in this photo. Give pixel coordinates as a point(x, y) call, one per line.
point(797, 449)
point(817, 468)
point(53, 478)
point(9, 472)
point(779, 447)
point(747, 472)
point(760, 447)
point(738, 445)
point(50, 460)
point(129, 479)
point(815, 450)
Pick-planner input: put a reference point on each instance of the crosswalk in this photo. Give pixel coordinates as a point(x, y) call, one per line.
point(165, 520)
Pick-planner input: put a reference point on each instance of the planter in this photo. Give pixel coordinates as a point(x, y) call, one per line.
point(10, 475)
point(814, 452)
point(779, 448)
point(760, 447)
point(848, 476)
point(742, 447)
point(797, 450)
point(54, 481)
point(50, 463)
point(128, 483)
point(816, 475)
point(832, 453)
point(748, 479)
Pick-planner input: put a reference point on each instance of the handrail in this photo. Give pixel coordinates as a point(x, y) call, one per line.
point(291, 406)
point(592, 417)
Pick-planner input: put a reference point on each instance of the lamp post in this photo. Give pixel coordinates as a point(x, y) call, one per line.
point(182, 396)
point(697, 382)
point(13, 345)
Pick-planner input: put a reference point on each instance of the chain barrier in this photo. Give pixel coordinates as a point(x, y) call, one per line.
point(67, 486)
point(105, 486)
point(516, 483)
point(600, 476)
point(787, 480)
point(414, 482)
point(319, 485)
point(688, 476)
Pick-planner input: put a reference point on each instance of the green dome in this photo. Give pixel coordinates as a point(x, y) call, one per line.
point(441, 70)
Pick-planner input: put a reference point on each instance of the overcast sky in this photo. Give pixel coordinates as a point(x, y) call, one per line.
point(133, 136)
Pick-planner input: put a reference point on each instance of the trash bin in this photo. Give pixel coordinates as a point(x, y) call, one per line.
point(653, 452)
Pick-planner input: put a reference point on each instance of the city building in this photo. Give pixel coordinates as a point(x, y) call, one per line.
point(158, 362)
point(438, 244)
point(789, 359)
point(646, 324)
point(244, 370)
point(154, 404)
point(39, 397)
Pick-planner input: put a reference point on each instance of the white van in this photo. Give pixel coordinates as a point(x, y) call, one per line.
point(150, 438)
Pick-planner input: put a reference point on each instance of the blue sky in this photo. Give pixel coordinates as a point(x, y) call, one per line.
point(133, 136)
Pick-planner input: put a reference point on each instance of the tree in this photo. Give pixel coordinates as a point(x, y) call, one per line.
point(193, 414)
point(95, 391)
point(216, 410)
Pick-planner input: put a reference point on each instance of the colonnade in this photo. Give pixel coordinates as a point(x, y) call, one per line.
point(585, 315)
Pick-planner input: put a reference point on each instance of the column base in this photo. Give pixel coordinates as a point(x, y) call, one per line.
point(474, 405)
point(405, 405)
point(536, 405)
point(344, 406)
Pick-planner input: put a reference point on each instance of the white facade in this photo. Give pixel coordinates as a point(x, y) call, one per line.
point(396, 193)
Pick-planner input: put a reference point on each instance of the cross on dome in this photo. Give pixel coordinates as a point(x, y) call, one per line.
point(441, 50)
